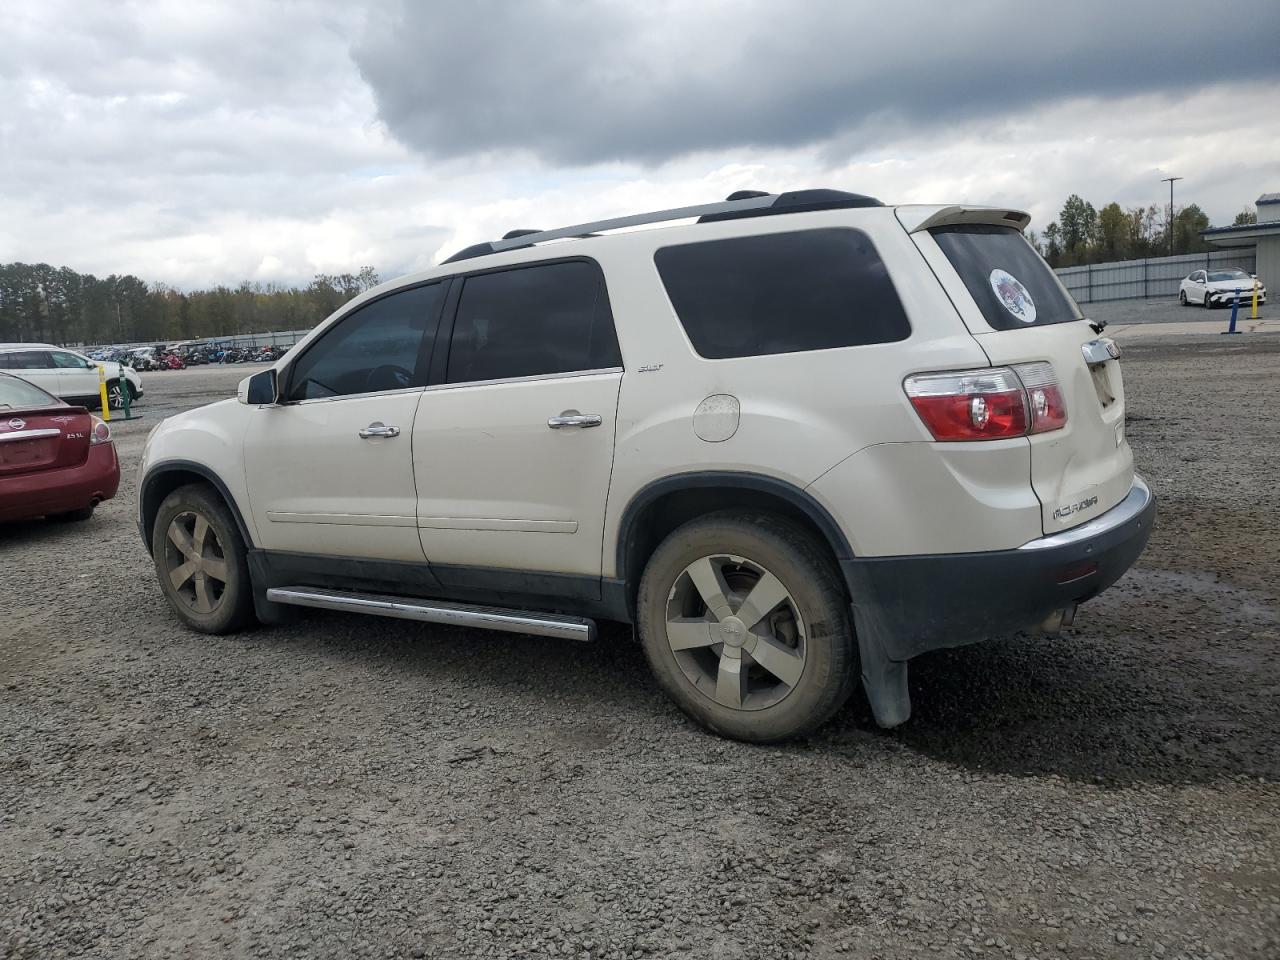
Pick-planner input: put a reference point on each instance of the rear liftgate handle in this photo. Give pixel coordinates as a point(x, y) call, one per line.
point(572, 418)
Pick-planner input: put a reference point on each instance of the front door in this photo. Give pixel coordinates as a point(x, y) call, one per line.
point(513, 451)
point(330, 466)
point(77, 377)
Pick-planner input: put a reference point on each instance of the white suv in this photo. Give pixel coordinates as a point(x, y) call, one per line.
point(805, 436)
point(68, 375)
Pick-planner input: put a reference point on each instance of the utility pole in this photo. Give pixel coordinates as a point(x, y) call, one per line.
point(1170, 180)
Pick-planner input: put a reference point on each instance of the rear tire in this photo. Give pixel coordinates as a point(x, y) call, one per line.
point(776, 662)
point(1182, 298)
point(200, 561)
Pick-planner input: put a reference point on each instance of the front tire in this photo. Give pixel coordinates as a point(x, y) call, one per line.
point(1182, 297)
point(744, 623)
point(200, 561)
point(115, 400)
point(1207, 304)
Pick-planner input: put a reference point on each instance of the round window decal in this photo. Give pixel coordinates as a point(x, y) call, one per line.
point(1013, 295)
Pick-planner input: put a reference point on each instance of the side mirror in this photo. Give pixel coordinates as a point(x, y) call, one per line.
point(259, 390)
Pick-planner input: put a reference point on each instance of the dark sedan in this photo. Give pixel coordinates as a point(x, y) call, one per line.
point(56, 460)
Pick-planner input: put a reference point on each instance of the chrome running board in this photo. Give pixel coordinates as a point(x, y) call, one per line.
point(436, 611)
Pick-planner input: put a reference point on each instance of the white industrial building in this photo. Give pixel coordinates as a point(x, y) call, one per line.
point(1263, 236)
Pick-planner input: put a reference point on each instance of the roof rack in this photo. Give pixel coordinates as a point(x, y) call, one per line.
point(744, 203)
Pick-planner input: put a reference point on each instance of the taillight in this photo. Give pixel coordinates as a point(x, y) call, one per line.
point(101, 432)
point(1044, 396)
point(991, 403)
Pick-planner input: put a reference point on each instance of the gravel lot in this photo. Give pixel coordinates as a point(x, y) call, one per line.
point(370, 788)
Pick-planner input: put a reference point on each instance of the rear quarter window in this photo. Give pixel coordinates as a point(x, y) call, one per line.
point(782, 293)
point(1008, 280)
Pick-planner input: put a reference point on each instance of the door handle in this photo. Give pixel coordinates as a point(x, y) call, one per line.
point(379, 429)
point(572, 418)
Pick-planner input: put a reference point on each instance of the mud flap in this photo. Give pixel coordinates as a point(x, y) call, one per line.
point(885, 680)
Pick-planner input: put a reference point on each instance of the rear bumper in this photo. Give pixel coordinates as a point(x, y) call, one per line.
point(946, 600)
point(60, 491)
point(905, 606)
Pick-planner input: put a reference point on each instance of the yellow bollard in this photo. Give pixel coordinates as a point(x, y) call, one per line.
point(1254, 314)
point(102, 392)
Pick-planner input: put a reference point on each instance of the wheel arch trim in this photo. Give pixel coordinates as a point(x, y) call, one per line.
point(147, 510)
point(703, 479)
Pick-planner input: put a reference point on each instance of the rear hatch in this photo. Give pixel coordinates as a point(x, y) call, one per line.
point(1019, 312)
point(43, 438)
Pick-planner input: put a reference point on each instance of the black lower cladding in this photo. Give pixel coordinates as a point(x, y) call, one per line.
point(915, 604)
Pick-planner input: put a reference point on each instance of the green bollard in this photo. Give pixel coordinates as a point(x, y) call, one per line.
point(126, 396)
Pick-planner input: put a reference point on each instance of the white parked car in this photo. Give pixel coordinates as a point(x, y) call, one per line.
point(806, 437)
point(1215, 288)
point(68, 375)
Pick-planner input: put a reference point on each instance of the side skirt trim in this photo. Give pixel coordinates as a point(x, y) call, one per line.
point(449, 614)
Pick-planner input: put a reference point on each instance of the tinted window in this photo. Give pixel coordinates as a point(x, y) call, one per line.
point(376, 348)
point(546, 319)
point(782, 293)
point(1009, 281)
point(27, 360)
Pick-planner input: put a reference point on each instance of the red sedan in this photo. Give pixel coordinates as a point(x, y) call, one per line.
point(55, 460)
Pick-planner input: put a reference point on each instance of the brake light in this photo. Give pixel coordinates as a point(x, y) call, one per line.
point(991, 403)
point(101, 432)
point(1044, 396)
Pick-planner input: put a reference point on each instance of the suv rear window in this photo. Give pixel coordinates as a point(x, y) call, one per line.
point(782, 293)
point(1009, 281)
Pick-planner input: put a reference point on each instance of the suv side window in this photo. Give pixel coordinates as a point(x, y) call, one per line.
point(378, 347)
point(782, 293)
point(533, 321)
point(67, 361)
point(28, 360)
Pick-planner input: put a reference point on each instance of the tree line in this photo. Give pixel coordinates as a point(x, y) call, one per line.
point(41, 303)
point(1083, 234)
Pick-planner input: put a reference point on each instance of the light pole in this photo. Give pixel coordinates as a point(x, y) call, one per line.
point(1170, 180)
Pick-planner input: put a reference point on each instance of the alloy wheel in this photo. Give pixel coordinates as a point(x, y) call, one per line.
point(195, 562)
point(735, 632)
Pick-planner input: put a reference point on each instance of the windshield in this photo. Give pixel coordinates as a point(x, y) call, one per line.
point(16, 393)
point(1008, 280)
point(1229, 275)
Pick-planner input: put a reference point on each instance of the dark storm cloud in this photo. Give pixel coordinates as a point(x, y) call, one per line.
point(586, 82)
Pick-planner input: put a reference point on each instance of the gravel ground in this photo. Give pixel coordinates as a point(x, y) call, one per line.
point(368, 788)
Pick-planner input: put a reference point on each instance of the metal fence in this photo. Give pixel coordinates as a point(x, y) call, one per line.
point(1154, 278)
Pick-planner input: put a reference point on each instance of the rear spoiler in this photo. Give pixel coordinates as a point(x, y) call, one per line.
point(915, 218)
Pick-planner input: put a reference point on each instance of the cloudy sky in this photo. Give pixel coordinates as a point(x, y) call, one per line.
point(204, 142)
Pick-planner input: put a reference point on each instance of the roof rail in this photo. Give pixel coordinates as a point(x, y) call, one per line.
point(745, 203)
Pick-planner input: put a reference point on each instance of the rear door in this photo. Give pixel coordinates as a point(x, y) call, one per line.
point(35, 366)
point(513, 443)
point(1019, 312)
